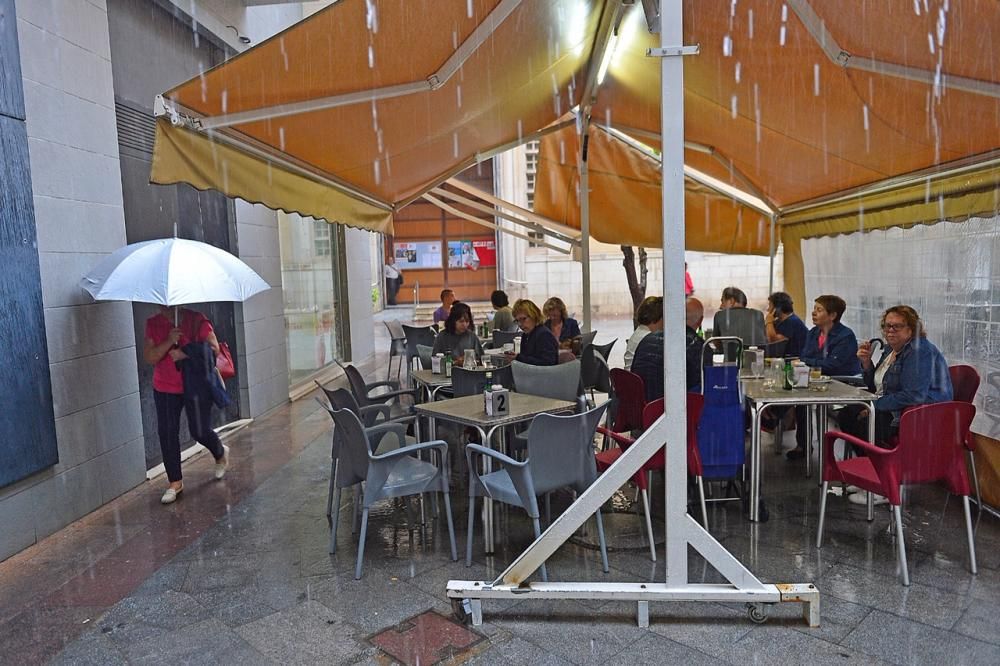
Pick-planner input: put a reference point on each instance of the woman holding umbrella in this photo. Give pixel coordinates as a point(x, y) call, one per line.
point(164, 342)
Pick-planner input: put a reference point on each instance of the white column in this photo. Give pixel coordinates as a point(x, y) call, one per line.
point(585, 224)
point(675, 395)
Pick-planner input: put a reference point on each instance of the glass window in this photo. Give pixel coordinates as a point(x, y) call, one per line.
point(312, 290)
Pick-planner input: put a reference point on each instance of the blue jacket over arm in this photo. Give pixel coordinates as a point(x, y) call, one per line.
point(839, 356)
point(918, 376)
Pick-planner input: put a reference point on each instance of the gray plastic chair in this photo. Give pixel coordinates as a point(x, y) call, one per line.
point(500, 338)
point(424, 353)
point(746, 324)
point(417, 335)
point(396, 473)
point(343, 399)
point(363, 390)
point(559, 382)
point(594, 371)
point(470, 382)
point(587, 339)
point(397, 346)
point(560, 455)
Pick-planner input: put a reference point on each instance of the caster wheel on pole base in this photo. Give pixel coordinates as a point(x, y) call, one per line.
point(757, 613)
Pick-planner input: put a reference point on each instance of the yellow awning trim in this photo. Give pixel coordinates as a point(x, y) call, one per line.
point(184, 156)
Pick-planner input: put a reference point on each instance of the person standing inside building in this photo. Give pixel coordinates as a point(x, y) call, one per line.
point(688, 282)
point(393, 280)
point(163, 349)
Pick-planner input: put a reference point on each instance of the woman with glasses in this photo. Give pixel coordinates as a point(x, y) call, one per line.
point(458, 334)
point(538, 345)
point(911, 371)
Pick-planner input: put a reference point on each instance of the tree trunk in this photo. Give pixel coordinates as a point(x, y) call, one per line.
point(636, 279)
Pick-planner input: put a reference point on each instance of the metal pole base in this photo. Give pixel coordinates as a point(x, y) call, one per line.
point(467, 596)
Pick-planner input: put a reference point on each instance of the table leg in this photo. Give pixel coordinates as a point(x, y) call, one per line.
point(871, 440)
point(755, 462)
point(487, 502)
point(821, 434)
point(809, 439)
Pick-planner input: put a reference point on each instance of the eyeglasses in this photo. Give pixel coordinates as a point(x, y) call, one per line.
point(893, 327)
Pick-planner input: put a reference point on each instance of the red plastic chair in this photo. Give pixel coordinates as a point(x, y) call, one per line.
point(929, 449)
point(965, 384)
point(642, 478)
point(630, 393)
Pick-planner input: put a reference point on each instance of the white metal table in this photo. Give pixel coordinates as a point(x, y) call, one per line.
point(759, 398)
point(470, 411)
point(431, 382)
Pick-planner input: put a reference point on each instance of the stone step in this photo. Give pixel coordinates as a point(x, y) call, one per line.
point(423, 315)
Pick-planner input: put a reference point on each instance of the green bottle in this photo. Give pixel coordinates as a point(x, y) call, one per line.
point(789, 376)
point(448, 362)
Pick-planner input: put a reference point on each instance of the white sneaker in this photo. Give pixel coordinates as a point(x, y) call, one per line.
point(861, 497)
point(850, 490)
point(170, 496)
point(222, 464)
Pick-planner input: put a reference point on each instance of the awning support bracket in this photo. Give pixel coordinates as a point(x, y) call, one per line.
point(669, 51)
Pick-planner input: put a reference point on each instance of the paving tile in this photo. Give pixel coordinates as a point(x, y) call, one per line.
point(375, 601)
point(40, 631)
point(138, 618)
point(571, 630)
point(708, 627)
point(513, 650)
point(427, 638)
point(980, 621)
point(307, 633)
point(901, 641)
point(92, 649)
point(929, 605)
point(774, 643)
point(206, 642)
point(953, 576)
point(655, 649)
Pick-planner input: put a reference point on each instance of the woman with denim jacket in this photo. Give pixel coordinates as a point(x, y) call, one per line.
point(829, 346)
point(910, 372)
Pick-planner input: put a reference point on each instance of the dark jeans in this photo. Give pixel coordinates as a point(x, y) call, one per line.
point(391, 289)
point(168, 425)
point(853, 419)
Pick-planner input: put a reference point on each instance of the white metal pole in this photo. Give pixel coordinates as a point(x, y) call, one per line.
point(770, 280)
point(675, 395)
point(585, 224)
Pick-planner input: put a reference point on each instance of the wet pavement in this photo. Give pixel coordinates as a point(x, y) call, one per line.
point(238, 571)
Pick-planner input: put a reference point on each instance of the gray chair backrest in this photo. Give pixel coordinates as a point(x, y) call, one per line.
point(561, 450)
point(417, 335)
point(500, 338)
point(560, 382)
point(587, 339)
point(352, 461)
point(425, 352)
point(395, 329)
point(358, 386)
point(470, 382)
point(594, 366)
point(746, 324)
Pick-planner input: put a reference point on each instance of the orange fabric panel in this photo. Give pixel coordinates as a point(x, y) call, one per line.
point(522, 78)
point(625, 199)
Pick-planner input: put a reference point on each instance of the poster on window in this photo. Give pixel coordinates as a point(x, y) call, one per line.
point(417, 255)
point(462, 255)
point(486, 252)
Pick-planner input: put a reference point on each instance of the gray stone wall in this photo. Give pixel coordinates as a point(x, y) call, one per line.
point(69, 114)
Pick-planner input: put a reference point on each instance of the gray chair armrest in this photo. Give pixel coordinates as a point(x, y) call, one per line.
point(374, 434)
point(437, 444)
point(391, 383)
point(369, 415)
point(472, 450)
point(392, 395)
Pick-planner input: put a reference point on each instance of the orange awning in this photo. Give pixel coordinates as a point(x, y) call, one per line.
point(625, 198)
point(400, 98)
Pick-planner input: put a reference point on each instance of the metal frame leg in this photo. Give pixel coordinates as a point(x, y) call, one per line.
point(822, 423)
point(470, 531)
point(601, 541)
point(975, 480)
point(971, 536)
point(900, 544)
point(809, 439)
point(649, 525)
point(451, 525)
point(538, 533)
point(704, 506)
point(755, 461)
point(335, 521)
point(822, 515)
point(330, 488)
point(361, 543)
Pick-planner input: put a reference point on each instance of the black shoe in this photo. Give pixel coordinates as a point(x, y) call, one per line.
point(796, 454)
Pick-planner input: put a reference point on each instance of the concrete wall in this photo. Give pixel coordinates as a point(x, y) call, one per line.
point(72, 143)
point(264, 384)
point(359, 294)
point(553, 274)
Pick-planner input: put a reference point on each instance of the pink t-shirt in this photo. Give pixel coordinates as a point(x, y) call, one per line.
point(194, 326)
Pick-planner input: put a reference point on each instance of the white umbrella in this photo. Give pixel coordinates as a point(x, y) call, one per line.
point(172, 271)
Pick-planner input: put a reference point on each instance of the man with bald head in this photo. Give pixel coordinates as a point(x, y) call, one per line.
point(648, 359)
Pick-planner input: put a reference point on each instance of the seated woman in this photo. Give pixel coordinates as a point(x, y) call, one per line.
point(829, 346)
point(564, 327)
point(538, 345)
point(458, 334)
point(911, 371)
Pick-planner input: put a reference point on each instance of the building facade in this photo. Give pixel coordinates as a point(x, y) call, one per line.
point(77, 80)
